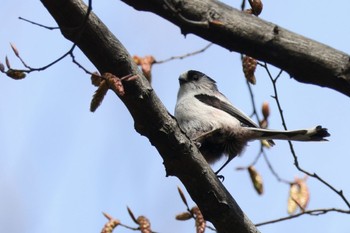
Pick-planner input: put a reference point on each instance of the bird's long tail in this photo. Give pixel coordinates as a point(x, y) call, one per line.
point(315, 134)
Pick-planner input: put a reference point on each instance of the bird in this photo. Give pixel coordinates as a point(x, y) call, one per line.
point(217, 127)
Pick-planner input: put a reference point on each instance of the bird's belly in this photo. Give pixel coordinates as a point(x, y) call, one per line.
point(198, 118)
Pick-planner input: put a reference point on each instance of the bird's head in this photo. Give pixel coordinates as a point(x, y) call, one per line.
point(193, 80)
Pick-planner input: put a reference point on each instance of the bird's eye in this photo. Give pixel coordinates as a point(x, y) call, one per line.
point(194, 75)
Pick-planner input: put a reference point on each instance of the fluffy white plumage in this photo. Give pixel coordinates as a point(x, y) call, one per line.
point(219, 128)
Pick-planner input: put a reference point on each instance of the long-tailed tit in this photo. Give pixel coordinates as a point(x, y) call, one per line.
point(218, 128)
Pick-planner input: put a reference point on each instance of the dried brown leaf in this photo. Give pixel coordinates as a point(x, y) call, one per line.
point(200, 221)
point(265, 109)
point(144, 224)
point(15, 50)
point(137, 60)
point(256, 179)
point(15, 74)
point(114, 83)
point(146, 65)
point(304, 194)
point(117, 86)
point(299, 196)
point(249, 66)
point(99, 96)
point(110, 225)
point(96, 79)
point(7, 63)
point(2, 67)
point(132, 215)
point(292, 198)
point(109, 217)
point(182, 195)
point(183, 216)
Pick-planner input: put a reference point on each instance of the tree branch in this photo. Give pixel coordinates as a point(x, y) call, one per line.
point(315, 212)
point(304, 59)
point(181, 157)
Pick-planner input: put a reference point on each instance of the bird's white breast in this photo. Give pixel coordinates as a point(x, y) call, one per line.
point(196, 117)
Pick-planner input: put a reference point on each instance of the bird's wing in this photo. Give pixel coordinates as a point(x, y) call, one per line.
point(226, 107)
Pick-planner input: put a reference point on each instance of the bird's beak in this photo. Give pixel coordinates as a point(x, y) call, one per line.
point(182, 79)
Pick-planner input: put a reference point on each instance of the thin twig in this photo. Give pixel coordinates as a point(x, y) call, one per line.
point(79, 65)
point(38, 24)
point(32, 69)
point(274, 173)
point(262, 151)
point(252, 99)
point(69, 52)
point(185, 55)
point(257, 157)
point(296, 162)
point(315, 212)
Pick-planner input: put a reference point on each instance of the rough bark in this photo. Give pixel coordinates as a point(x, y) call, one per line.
point(304, 59)
point(181, 157)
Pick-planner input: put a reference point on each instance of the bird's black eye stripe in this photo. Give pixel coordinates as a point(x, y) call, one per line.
point(194, 75)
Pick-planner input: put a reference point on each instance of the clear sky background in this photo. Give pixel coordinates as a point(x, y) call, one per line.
point(61, 165)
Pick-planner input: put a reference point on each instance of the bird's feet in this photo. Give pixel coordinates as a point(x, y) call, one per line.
point(220, 177)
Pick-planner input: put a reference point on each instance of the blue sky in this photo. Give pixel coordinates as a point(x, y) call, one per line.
point(61, 165)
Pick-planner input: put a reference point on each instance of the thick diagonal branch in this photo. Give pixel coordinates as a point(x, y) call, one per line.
point(181, 157)
point(304, 59)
